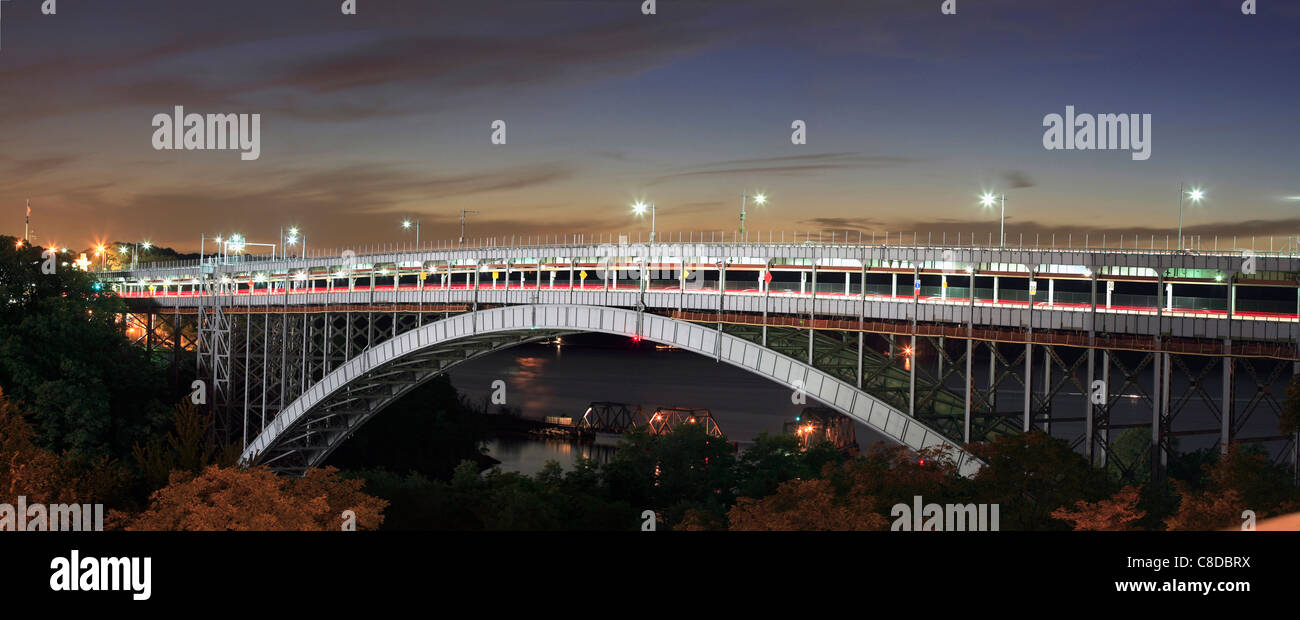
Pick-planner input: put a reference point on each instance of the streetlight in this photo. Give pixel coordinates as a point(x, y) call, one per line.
point(135, 255)
point(292, 239)
point(463, 212)
point(759, 199)
point(639, 209)
point(987, 200)
point(406, 225)
point(1196, 195)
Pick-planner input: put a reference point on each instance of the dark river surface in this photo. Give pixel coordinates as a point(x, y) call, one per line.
point(544, 380)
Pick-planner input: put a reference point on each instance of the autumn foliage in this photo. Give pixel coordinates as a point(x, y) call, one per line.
point(43, 476)
point(1117, 513)
point(1239, 480)
point(256, 498)
point(806, 505)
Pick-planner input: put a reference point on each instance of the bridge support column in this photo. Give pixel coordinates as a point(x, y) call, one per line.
point(1105, 429)
point(722, 303)
point(1089, 408)
point(767, 289)
point(941, 350)
point(970, 354)
point(1029, 358)
point(1160, 417)
point(860, 352)
point(1159, 394)
point(812, 313)
point(993, 377)
point(912, 361)
point(248, 347)
point(970, 385)
point(1229, 383)
point(1029, 386)
point(266, 356)
point(1047, 389)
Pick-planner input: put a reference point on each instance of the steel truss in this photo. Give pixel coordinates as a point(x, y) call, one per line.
point(259, 360)
point(1053, 387)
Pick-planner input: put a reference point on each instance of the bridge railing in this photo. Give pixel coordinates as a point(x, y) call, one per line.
point(1105, 242)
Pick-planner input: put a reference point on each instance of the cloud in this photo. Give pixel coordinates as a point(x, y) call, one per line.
point(1016, 179)
point(25, 169)
point(790, 165)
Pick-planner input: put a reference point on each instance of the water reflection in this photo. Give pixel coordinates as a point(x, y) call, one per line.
point(528, 455)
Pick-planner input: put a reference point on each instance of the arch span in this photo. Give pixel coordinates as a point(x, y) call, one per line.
point(313, 425)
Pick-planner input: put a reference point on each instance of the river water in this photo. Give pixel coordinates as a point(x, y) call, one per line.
point(543, 380)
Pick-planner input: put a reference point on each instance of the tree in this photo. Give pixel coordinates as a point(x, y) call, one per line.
point(1240, 479)
point(774, 459)
point(1030, 476)
point(64, 357)
point(673, 473)
point(806, 505)
point(1120, 512)
point(190, 446)
point(255, 498)
point(48, 478)
point(1205, 511)
point(895, 474)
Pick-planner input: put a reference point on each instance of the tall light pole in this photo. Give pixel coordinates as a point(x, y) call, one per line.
point(463, 212)
point(987, 200)
point(639, 209)
point(1196, 195)
point(406, 225)
point(135, 256)
point(759, 199)
point(292, 239)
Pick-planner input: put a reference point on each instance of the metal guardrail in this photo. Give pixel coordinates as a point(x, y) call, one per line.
point(1125, 245)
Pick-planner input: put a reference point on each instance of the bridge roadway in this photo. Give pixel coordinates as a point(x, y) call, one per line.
point(685, 278)
point(870, 290)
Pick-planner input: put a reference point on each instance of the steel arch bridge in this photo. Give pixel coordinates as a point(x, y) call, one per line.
point(1188, 345)
point(305, 432)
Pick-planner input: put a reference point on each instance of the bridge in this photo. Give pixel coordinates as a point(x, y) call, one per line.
point(1179, 346)
point(609, 417)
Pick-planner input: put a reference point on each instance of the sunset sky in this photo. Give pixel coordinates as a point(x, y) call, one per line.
point(386, 115)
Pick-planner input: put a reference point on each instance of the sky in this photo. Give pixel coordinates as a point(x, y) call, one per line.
point(386, 115)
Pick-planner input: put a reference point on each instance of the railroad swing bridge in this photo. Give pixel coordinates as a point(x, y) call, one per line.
point(1091, 345)
point(619, 418)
